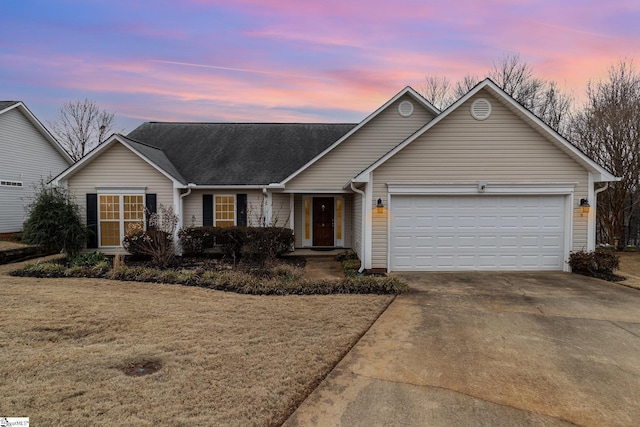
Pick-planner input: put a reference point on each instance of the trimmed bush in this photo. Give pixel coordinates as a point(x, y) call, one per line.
point(252, 243)
point(196, 240)
point(600, 264)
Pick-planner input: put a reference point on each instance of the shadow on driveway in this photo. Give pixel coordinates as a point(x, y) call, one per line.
point(494, 349)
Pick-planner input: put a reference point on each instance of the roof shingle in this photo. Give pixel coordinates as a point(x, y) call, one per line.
point(238, 153)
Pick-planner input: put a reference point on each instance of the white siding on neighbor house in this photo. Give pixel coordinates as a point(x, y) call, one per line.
point(368, 144)
point(193, 205)
point(28, 157)
point(120, 167)
point(460, 149)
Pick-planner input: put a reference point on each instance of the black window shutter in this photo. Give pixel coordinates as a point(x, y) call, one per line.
point(207, 210)
point(241, 210)
point(92, 220)
point(151, 206)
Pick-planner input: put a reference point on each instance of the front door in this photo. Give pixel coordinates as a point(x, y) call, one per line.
point(323, 221)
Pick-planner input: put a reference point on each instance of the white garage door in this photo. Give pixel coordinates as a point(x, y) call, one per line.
point(484, 232)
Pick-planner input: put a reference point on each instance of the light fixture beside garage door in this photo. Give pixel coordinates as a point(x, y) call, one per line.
point(585, 206)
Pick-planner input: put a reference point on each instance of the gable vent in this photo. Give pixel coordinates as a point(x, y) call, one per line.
point(405, 108)
point(481, 109)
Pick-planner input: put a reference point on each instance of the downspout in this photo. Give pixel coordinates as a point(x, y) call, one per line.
point(364, 219)
point(190, 186)
point(266, 217)
point(181, 218)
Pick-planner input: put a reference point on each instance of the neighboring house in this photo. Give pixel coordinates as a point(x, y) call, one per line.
point(482, 185)
point(30, 155)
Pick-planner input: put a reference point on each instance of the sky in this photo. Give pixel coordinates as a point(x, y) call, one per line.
point(290, 60)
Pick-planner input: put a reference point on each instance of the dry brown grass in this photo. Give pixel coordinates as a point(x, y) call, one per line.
point(226, 359)
point(629, 263)
point(7, 245)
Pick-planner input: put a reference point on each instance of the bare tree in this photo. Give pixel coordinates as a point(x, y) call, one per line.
point(437, 90)
point(608, 130)
point(516, 78)
point(463, 86)
point(80, 126)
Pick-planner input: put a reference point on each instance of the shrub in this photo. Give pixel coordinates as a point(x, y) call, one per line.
point(251, 243)
point(600, 264)
point(195, 240)
point(54, 221)
point(89, 259)
point(157, 241)
point(346, 255)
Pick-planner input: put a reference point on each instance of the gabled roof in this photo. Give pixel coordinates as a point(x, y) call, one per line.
point(153, 156)
point(10, 105)
point(221, 154)
point(601, 174)
point(406, 91)
point(238, 153)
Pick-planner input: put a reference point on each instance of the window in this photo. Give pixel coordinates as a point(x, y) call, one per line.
point(119, 215)
point(7, 183)
point(225, 211)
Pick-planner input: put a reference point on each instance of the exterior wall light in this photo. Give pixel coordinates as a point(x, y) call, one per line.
point(379, 206)
point(585, 206)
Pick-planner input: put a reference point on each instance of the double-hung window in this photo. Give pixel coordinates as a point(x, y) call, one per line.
point(225, 210)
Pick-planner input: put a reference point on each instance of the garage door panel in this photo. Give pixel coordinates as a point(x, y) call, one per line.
point(477, 232)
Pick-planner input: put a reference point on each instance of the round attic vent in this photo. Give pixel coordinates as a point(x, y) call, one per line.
point(481, 109)
point(405, 108)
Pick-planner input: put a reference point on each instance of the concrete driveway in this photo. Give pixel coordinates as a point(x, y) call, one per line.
point(491, 349)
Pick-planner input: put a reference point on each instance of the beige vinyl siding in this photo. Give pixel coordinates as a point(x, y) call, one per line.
point(460, 149)
point(348, 223)
point(192, 205)
point(281, 208)
point(298, 220)
point(364, 147)
point(119, 167)
point(27, 157)
point(356, 221)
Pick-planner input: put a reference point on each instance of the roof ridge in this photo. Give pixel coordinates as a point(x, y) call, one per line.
point(140, 142)
point(251, 123)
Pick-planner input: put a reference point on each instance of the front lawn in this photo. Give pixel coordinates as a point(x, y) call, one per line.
point(221, 358)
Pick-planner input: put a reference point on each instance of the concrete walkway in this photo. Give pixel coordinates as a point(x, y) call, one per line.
point(491, 349)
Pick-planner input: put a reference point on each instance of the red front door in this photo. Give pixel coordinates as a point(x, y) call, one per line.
point(323, 221)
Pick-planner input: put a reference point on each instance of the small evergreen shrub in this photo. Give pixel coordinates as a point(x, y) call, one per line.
point(600, 264)
point(54, 221)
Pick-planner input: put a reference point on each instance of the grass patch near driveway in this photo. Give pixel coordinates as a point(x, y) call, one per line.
point(214, 358)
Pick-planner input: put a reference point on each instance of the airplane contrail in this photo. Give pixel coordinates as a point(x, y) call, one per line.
point(243, 70)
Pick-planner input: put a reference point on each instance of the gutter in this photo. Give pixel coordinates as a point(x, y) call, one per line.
point(364, 219)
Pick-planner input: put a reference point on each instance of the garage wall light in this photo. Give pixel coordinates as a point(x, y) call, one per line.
point(585, 206)
point(379, 206)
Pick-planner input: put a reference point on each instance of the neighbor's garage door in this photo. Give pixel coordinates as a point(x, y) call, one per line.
point(483, 232)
